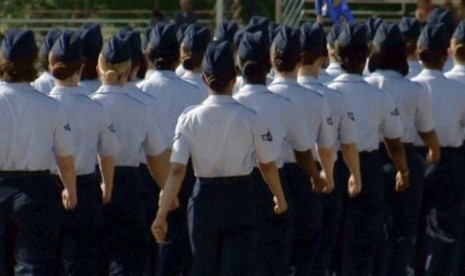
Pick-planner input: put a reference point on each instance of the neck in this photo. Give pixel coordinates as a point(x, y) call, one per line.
point(69, 82)
point(114, 83)
point(309, 70)
point(196, 70)
point(288, 75)
point(412, 57)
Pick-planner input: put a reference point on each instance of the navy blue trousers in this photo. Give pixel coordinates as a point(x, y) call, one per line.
point(308, 209)
point(175, 255)
point(81, 244)
point(363, 219)
point(402, 214)
point(445, 205)
point(223, 227)
point(276, 232)
point(126, 235)
point(31, 202)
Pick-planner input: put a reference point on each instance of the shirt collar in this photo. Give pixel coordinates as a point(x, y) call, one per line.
point(459, 67)
point(349, 78)
point(219, 99)
point(164, 74)
point(308, 79)
point(69, 90)
point(19, 86)
point(430, 73)
point(105, 88)
point(387, 73)
point(334, 65)
point(253, 88)
point(284, 80)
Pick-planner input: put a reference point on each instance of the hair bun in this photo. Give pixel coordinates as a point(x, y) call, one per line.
point(60, 71)
point(188, 63)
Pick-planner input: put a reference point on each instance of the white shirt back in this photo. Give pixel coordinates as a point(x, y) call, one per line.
point(90, 86)
point(457, 73)
point(223, 138)
point(44, 83)
point(93, 133)
point(411, 100)
point(33, 129)
point(415, 68)
point(132, 121)
point(334, 69)
point(312, 108)
point(448, 106)
point(174, 95)
point(280, 115)
point(196, 79)
point(374, 111)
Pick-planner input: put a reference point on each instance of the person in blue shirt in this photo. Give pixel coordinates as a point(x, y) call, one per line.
point(338, 11)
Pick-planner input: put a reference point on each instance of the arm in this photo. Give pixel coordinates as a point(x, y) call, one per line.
point(170, 191)
point(307, 163)
point(327, 164)
point(351, 158)
point(396, 152)
point(158, 166)
point(67, 172)
point(430, 139)
point(271, 176)
point(107, 170)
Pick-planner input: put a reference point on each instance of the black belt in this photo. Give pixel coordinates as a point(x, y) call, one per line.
point(17, 174)
point(227, 179)
point(126, 169)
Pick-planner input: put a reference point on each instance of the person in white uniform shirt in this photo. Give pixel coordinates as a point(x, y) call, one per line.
point(411, 29)
point(127, 241)
point(388, 66)
point(288, 130)
point(334, 68)
point(181, 70)
point(45, 82)
point(91, 35)
point(372, 23)
point(313, 109)
point(94, 136)
point(445, 196)
point(226, 31)
point(313, 42)
point(225, 140)
point(193, 46)
point(376, 119)
point(174, 96)
point(457, 49)
point(34, 135)
point(444, 16)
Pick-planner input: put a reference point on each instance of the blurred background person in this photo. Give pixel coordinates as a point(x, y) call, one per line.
point(338, 11)
point(186, 15)
point(424, 8)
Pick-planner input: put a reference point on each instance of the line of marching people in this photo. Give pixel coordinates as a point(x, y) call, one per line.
point(265, 150)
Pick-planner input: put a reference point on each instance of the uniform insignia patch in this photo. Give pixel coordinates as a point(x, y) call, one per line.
point(395, 112)
point(351, 116)
point(267, 137)
point(111, 128)
point(67, 127)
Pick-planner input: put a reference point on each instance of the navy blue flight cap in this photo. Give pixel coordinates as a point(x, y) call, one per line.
point(333, 34)
point(68, 47)
point(92, 39)
point(49, 40)
point(445, 17)
point(18, 43)
point(254, 47)
point(288, 40)
point(226, 31)
point(353, 36)
point(389, 36)
point(218, 59)
point(196, 38)
point(434, 37)
point(410, 27)
point(259, 21)
point(163, 37)
point(181, 31)
point(459, 34)
point(373, 23)
point(117, 50)
point(248, 29)
point(274, 30)
point(133, 37)
point(312, 36)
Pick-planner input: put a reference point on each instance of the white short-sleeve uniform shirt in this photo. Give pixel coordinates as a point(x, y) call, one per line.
point(457, 73)
point(448, 106)
point(334, 69)
point(223, 138)
point(410, 98)
point(174, 95)
point(91, 85)
point(131, 119)
point(414, 68)
point(93, 132)
point(376, 116)
point(280, 115)
point(197, 80)
point(344, 129)
point(34, 129)
point(312, 109)
point(44, 83)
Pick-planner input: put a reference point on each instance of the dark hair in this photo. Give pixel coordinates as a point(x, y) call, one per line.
point(63, 70)
point(89, 71)
point(432, 57)
point(411, 46)
point(285, 62)
point(20, 70)
point(310, 56)
point(191, 59)
point(43, 61)
point(352, 60)
point(218, 83)
point(459, 51)
point(254, 72)
point(163, 59)
point(389, 59)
